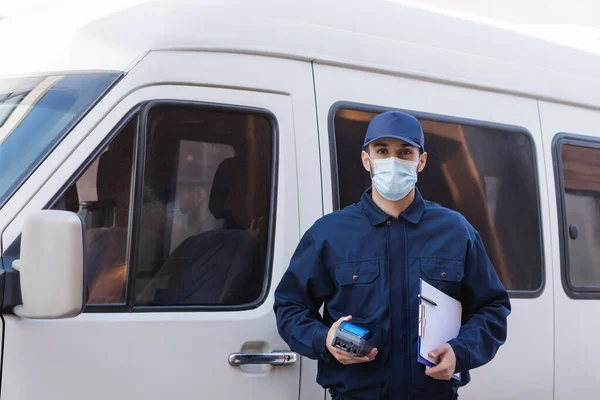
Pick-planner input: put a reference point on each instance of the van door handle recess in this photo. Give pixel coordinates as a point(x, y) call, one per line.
point(275, 358)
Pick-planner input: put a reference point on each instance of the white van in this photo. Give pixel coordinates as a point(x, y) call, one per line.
point(179, 150)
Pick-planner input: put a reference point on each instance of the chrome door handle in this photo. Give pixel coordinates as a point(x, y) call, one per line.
point(274, 358)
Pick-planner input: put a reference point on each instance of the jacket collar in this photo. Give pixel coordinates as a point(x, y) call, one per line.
point(376, 216)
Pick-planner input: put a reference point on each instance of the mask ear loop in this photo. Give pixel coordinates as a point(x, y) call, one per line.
point(371, 166)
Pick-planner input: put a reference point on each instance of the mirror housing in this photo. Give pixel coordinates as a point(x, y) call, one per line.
point(51, 266)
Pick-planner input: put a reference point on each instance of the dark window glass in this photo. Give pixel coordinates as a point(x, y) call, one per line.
point(581, 182)
point(487, 174)
point(205, 207)
point(101, 196)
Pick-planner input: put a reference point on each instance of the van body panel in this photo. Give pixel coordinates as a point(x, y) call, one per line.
point(181, 354)
point(380, 35)
point(531, 321)
point(576, 318)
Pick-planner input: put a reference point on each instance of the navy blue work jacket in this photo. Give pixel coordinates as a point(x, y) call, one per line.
point(361, 262)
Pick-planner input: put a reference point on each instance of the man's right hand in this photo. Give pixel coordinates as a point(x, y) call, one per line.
point(343, 356)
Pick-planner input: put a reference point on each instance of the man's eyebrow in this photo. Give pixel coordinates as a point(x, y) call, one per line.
point(383, 144)
point(380, 144)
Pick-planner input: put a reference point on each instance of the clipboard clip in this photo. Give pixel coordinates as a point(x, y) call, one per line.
point(422, 320)
point(433, 303)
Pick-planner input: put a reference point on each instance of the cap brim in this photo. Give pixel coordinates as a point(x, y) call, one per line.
point(412, 143)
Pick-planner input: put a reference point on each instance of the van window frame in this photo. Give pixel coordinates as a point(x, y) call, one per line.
point(355, 106)
point(141, 112)
point(560, 139)
point(139, 177)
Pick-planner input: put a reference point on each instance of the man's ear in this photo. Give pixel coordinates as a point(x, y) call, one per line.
point(365, 160)
point(422, 162)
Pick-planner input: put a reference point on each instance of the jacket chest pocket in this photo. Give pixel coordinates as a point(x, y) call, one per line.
point(445, 275)
point(358, 289)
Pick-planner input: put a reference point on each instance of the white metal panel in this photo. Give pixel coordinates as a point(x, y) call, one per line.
point(373, 34)
point(531, 322)
point(577, 322)
point(183, 355)
point(310, 198)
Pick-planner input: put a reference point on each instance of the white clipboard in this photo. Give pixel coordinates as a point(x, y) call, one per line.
point(439, 321)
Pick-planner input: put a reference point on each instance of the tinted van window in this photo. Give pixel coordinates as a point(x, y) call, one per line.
point(581, 218)
point(205, 207)
point(101, 196)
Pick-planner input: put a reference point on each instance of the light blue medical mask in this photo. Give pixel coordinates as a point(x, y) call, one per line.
point(394, 178)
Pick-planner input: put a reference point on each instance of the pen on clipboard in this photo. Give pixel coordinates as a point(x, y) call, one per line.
point(433, 303)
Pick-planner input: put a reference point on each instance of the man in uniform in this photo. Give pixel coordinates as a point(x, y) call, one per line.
point(365, 262)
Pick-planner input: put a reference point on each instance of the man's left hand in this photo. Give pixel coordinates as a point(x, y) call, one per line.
point(446, 365)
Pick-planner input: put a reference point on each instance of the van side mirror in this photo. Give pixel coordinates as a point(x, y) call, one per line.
point(51, 265)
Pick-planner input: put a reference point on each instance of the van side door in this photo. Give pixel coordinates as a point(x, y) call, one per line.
point(188, 182)
point(486, 161)
point(572, 148)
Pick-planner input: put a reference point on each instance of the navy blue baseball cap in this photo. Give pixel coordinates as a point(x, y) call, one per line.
point(396, 125)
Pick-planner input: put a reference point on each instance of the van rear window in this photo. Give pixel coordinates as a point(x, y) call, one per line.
point(578, 167)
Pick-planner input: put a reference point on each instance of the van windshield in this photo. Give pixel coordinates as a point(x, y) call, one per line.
point(36, 113)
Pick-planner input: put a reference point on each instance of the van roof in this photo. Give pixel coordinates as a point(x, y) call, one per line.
point(374, 35)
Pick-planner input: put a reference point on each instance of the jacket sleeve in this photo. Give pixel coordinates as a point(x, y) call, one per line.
point(486, 306)
point(302, 290)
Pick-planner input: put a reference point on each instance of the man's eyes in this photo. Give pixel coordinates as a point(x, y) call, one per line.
point(405, 152)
